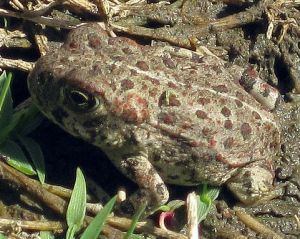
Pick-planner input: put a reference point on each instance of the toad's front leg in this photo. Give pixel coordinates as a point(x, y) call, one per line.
point(137, 167)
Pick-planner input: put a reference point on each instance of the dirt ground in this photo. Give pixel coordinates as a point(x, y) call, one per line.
point(264, 34)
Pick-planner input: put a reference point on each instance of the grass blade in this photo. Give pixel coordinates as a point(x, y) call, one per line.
point(16, 157)
point(29, 118)
point(134, 221)
point(95, 227)
point(4, 87)
point(46, 235)
point(2, 236)
point(36, 155)
point(6, 109)
point(77, 205)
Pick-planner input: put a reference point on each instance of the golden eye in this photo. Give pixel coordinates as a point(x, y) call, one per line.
point(80, 100)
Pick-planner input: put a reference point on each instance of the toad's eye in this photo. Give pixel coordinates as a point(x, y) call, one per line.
point(81, 101)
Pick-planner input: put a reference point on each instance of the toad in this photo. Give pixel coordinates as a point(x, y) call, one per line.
point(162, 114)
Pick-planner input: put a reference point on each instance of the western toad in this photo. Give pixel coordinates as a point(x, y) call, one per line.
point(161, 114)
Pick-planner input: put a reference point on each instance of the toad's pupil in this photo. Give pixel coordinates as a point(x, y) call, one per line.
point(82, 100)
point(79, 98)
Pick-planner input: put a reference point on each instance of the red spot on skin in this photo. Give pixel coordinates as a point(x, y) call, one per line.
point(220, 88)
point(228, 124)
point(238, 103)
point(113, 86)
point(169, 62)
point(256, 115)
point(133, 108)
point(153, 92)
point(173, 101)
point(251, 72)
point(144, 87)
point(94, 42)
point(168, 99)
point(127, 50)
point(167, 118)
point(268, 127)
point(201, 114)
point(186, 125)
point(188, 86)
point(197, 58)
point(113, 40)
point(212, 143)
point(265, 86)
point(219, 157)
point(142, 65)
point(73, 45)
point(207, 132)
point(130, 42)
point(96, 69)
point(141, 101)
point(153, 80)
point(117, 58)
point(228, 143)
point(246, 130)
point(123, 41)
point(225, 111)
point(203, 101)
point(207, 83)
point(267, 91)
point(194, 143)
point(216, 68)
point(127, 84)
point(222, 101)
point(240, 96)
point(172, 85)
point(113, 68)
point(133, 72)
point(129, 114)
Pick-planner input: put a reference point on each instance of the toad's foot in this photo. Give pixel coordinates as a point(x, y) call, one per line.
point(254, 184)
point(260, 90)
point(153, 191)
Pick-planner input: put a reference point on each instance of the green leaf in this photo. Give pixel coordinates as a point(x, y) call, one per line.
point(203, 209)
point(16, 157)
point(213, 192)
point(46, 235)
point(4, 87)
point(36, 155)
point(2, 236)
point(6, 107)
point(95, 227)
point(171, 206)
point(71, 231)
point(175, 204)
point(205, 198)
point(134, 221)
point(25, 118)
point(164, 208)
point(77, 205)
point(29, 118)
point(6, 131)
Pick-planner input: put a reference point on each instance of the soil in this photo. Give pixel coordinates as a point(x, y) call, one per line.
point(262, 33)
